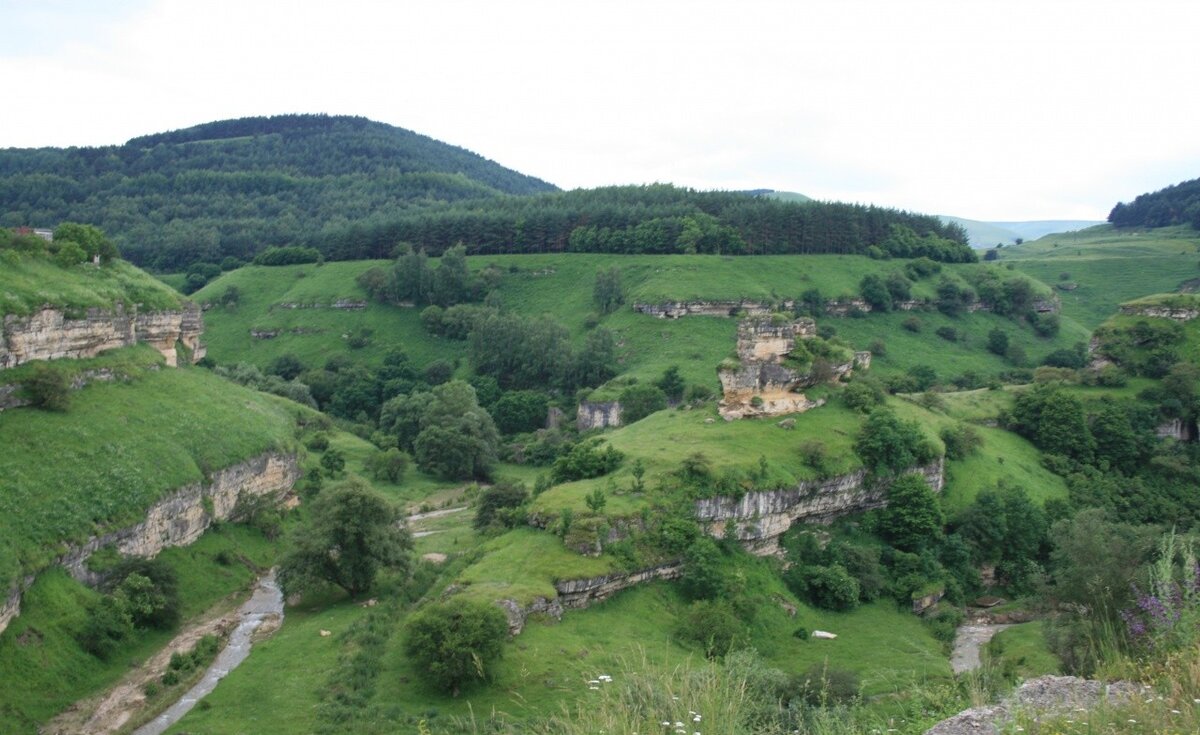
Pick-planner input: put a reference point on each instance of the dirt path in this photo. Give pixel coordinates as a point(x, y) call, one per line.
point(434, 514)
point(968, 641)
point(109, 712)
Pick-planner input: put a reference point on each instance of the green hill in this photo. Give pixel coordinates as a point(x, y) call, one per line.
point(1097, 269)
point(230, 188)
point(1175, 205)
point(27, 284)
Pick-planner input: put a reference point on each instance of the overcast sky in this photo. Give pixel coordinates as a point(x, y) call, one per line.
point(988, 110)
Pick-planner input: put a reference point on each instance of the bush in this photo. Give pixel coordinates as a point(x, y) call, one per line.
point(388, 465)
point(456, 643)
point(497, 505)
point(887, 444)
point(107, 624)
point(950, 334)
point(862, 395)
point(821, 686)
point(585, 461)
point(961, 440)
point(997, 341)
point(318, 442)
point(912, 324)
point(48, 387)
point(333, 462)
point(713, 625)
point(828, 587)
point(150, 591)
point(639, 401)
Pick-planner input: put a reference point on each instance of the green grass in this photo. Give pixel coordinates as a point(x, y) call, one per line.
point(127, 363)
point(662, 440)
point(1023, 648)
point(43, 669)
point(560, 285)
point(1109, 266)
point(121, 447)
point(524, 564)
point(906, 349)
point(1003, 457)
point(30, 283)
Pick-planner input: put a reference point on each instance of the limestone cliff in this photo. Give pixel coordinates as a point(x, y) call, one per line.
point(762, 382)
point(178, 519)
point(581, 593)
point(1161, 311)
point(598, 415)
point(50, 334)
point(758, 519)
point(726, 308)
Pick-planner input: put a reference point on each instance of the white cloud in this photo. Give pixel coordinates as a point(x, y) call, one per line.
point(991, 110)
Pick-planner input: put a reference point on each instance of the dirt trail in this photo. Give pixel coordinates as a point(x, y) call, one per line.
point(109, 712)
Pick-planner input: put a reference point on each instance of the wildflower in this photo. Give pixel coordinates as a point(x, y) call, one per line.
point(696, 718)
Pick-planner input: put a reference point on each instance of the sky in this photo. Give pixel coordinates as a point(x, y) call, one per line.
point(997, 111)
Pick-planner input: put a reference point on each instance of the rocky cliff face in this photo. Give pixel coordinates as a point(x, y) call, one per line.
point(598, 415)
point(50, 334)
point(676, 309)
point(1179, 314)
point(178, 519)
point(1176, 429)
point(762, 384)
point(580, 593)
point(759, 519)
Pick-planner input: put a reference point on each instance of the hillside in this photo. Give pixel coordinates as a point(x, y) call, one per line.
point(1097, 269)
point(28, 284)
point(991, 234)
point(229, 188)
point(1174, 205)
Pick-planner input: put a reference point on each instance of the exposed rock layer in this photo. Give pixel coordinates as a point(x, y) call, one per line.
point(598, 415)
point(50, 334)
point(178, 519)
point(757, 520)
point(1041, 696)
point(580, 593)
point(1179, 314)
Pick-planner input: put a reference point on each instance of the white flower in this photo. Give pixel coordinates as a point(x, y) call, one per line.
point(696, 718)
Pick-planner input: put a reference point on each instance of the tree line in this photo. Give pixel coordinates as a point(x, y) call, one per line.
point(1175, 205)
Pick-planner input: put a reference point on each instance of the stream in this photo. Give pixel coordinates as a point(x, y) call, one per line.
point(968, 641)
point(266, 601)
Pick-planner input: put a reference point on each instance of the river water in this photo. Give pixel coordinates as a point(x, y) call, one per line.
point(266, 601)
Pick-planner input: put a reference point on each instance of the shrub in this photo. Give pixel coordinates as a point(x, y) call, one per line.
point(49, 388)
point(456, 643)
point(950, 334)
point(961, 440)
point(388, 465)
point(997, 341)
point(107, 624)
point(497, 505)
point(887, 444)
point(333, 462)
point(639, 401)
point(318, 442)
point(586, 460)
point(816, 455)
point(822, 686)
point(713, 625)
point(912, 324)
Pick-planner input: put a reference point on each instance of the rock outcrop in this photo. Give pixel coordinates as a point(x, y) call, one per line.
point(727, 308)
point(178, 519)
point(761, 382)
point(50, 334)
point(11, 395)
point(758, 519)
point(1046, 695)
point(597, 415)
point(580, 593)
point(1176, 313)
point(1176, 429)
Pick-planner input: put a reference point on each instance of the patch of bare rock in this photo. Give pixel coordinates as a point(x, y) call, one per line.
point(1046, 695)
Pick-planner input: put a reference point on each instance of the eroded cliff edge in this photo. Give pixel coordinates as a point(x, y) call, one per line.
point(177, 520)
point(52, 334)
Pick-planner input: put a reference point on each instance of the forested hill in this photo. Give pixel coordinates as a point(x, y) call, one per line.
point(659, 218)
point(1174, 205)
point(236, 186)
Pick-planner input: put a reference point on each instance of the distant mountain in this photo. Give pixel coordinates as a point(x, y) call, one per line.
point(783, 196)
point(1174, 205)
point(233, 187)
point(989, 234)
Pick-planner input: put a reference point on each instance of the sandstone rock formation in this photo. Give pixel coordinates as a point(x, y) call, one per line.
point(758, 519)
point(178, 519)
point(51, 334)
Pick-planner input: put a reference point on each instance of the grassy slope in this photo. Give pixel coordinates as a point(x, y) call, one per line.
point(561, 286)
point(549, 664)
point(31, 283)
point(1109, 266)
point(43, 669)
point(121, 446)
